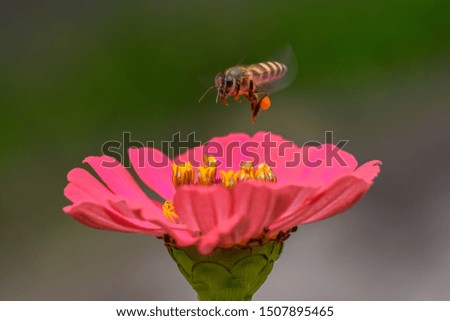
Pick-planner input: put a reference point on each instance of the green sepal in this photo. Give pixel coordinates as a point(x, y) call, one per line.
point(227, 274)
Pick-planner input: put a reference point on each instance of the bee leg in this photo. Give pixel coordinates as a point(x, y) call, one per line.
point(263, 103)
point(251, 87)
point(255, 110)
point(236, 92)
point(254, 100)
point(252, 97)
point(224, 101)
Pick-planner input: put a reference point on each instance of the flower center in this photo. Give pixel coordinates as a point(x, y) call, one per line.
point(206, 175)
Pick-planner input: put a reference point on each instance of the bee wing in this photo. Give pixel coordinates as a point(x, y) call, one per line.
point(286, 56)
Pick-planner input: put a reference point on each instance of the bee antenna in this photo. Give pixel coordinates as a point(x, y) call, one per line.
point(204, 94)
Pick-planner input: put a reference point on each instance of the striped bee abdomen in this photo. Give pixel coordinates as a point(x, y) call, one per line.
point(268, 71)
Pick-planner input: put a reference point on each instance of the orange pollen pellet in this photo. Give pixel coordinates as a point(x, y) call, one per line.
point(265, 103)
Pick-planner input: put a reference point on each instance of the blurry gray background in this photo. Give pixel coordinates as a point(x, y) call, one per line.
point(76, 74)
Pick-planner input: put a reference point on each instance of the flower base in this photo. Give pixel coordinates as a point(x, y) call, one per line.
point(233, 274)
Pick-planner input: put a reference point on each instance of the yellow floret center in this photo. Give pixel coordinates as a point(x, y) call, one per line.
point(206, 175)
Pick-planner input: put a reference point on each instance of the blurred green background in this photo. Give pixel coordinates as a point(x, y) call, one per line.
point(76, 74)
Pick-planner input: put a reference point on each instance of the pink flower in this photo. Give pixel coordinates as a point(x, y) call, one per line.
point(289, 186)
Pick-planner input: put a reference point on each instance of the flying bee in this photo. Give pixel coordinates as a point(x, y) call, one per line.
point(250, 81)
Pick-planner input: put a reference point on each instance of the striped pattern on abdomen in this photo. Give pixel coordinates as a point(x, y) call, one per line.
point(268, 71)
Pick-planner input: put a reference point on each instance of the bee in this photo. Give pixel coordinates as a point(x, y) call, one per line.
point(250, 82)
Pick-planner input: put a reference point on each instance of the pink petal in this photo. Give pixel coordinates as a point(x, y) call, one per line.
point(226, 149)
point(202, 208)
point(181, 233)
point(369, 171)
point(120, 181)
point(281, 155)
point(100, 217)
point(83, 187)
point(259, 204)
point(207, 211)
point(308, 165)
point(337, 198)
point(236, 149)
point(321, 165)
point(217, 237)
point(136, 210)
point(154, 168)
point(224, 217)
point(115, 176)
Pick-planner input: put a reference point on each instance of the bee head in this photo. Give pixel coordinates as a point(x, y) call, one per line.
point(220, 85)
point(224, 85)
